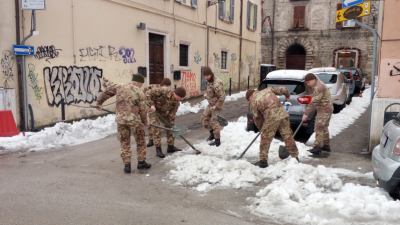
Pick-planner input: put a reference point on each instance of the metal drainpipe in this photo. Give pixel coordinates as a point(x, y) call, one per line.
point(23, 69)
point(273, 31)
point(240, 41)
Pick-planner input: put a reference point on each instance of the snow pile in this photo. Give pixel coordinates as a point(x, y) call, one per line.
point(347, 116)
point(61, 134)
point(186, 107)
point(218, 167)
point(305, 194)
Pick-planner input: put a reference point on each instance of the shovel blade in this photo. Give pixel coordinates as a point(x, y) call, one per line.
point(283, 152)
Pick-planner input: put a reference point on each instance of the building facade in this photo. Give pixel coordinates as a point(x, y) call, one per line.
point(77, 43)
point(302, 34)
point(386, 102)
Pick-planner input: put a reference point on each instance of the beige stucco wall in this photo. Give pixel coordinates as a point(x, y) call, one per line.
point(75, 28)
point(389, 85)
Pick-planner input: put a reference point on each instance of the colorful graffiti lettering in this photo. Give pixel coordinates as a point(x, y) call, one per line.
point(34, 83)
point(189, 82)
point(127, 54)
point(7, 63)
point(47, 52)
point(103, 53)
point(72, 84)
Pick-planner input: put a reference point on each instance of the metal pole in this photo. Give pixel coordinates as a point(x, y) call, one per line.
point(230, 86)
point(248, 82)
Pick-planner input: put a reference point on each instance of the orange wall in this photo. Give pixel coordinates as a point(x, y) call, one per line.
point(389, 68)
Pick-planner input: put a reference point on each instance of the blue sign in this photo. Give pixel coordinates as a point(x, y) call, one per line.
point(350, 3)
point(23, 50)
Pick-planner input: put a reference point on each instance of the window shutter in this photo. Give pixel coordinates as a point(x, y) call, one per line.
point(295, 17)
point(302, 16)
point(255, 17)
point(340, 24)
point(232, 16)
point(194, 3)
point(248, 14)
point(221, 10)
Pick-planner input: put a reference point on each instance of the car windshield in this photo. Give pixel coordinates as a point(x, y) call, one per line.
point(347, 74)
point(327, 78)
point(294, 87)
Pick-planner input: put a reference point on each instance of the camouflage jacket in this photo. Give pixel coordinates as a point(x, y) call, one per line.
point(130, 103)
point(164, 101)
point(321, 99)
point(265, 104)
point(215, 93)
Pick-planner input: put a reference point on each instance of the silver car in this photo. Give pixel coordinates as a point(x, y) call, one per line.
point(336, 83)
point(386, 158)
point(299, 98)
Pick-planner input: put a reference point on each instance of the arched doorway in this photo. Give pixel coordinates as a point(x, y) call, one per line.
point(296, 57)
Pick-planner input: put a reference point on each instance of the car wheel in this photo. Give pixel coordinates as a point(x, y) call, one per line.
point(395, 193)
point(349, 100)
point(338, 108)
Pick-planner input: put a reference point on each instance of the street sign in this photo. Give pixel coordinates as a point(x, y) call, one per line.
point(33, 4)
point(353, 12)
point(349, 3)
point(23, 50)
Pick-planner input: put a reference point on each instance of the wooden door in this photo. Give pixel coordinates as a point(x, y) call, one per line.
point(296, 62)
point(156, 58)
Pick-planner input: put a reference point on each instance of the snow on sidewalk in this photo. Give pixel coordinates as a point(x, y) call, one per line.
point(83, 131)
point(347, 116)
point(310, 195)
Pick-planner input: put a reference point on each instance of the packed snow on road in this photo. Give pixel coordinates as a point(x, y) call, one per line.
point(289, 192)
point(83, 131)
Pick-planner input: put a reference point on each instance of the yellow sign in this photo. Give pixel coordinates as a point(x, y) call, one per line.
point(353, 12)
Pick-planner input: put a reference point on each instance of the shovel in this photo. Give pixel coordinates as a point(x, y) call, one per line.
point(222, 121)
point(177, 132)
point(283, 152)
point(251, 143)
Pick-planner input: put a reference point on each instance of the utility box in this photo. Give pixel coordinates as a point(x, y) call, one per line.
point(8, 100)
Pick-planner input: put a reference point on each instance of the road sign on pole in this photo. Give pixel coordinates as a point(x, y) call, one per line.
point(23, 50)
point(353, 12)
point(33, 4)
point(349, 3)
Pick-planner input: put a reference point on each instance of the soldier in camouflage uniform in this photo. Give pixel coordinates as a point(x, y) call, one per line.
point(131, 116)
point(321, 103)
point(165, 83)
point(164, 104)
point(269, 117)
point(215, 95)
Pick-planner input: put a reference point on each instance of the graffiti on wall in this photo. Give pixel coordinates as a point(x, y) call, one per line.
point(47, 52)
point(104, 53)
point(73, 84)
point(189, 82)
point(7, 63)
point(33, 82)
point(197, 57)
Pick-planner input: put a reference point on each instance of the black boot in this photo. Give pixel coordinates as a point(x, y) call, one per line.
point(127, 168)
point(316, 151)
point(326, 148)
point(262, 164)
point(172, 149)
point(211, 137)
point(150, 143)
point(143, 165)
point(216, 142)
point(159, 152)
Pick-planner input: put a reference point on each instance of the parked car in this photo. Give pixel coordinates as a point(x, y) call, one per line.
point(351, 84)
point(359, 78)
point(386, 158)
point(337, 85)
point(299, 98)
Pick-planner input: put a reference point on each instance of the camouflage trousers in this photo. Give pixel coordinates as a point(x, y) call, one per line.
point(209, 119)
point(156, 132)
point(321, 128)
point(124, 137)
point(269, 129)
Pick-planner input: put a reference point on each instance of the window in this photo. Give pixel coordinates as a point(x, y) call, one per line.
point(299, 16)
point(183, 55)
point(224, 57)
point(191, 3)
point(226, 10)
point(251, 16)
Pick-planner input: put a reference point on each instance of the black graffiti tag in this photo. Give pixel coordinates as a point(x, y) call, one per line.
point(47, 52)
point(7, 63)
point(73, 84)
